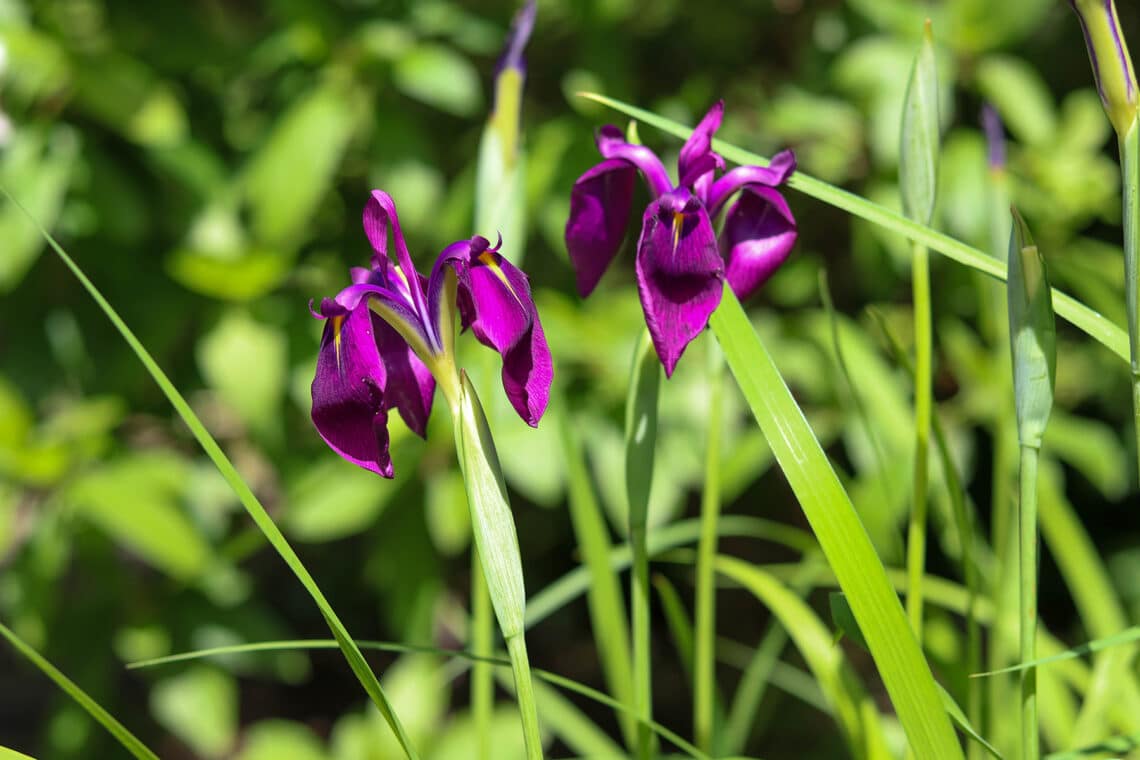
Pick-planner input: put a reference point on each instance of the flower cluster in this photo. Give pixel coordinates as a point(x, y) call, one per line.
point(388, 339)
point(681, 262)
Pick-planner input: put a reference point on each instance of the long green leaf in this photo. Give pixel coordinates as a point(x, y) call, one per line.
point(234, 479)
point(840, 533)
point(130, 742)
point(1091, 322)
point(1127, 636)
point(853, 707)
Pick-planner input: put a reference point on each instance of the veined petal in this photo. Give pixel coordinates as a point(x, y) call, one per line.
point(611, 144)
point(758, 234)
point(775, 173)
point(599, 214)
point(528, 371)
point(395, 310)
point(379, 214)
point(410, 387)
point(697, 157)
point(348, 388)
point(679, 273)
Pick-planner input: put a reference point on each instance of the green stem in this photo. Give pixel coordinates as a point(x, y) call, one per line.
point(524, 692)
point(640, 444)
point(482, 643)
point(704, 633)
point(1027, 531)
point(642, 652)
point(1130, 170)
point(923, 401)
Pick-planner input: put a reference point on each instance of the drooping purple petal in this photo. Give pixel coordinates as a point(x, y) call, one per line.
point(410, 387)
point(496, 304)
point(679, 273)
point(599, 214)
point(697, 157)
point(772, 175)
point(758, 235)
point(348, 388)
point(611, 144)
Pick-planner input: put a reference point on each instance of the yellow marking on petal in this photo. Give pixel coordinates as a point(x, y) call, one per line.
point(403, 278)
point(678, 223)
point(337, 325)
point(487, 259)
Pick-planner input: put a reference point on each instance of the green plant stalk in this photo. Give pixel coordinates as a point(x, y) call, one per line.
point(641, 437)
point(704, 623)
point(241, 489)
point(923, 401)
point(1130, 176)
point(1089, 321)
point(604, 596)
point(129, 741)
point(524, 692)
point(1027, 607)
point(482, 638)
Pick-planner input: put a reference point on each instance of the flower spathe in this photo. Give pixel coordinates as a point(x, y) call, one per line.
point(388, 338)
point(681, 261)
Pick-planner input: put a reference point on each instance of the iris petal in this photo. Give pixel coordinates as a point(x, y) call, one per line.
point(758, 234)
point(410, 387)
point(348, 388)
point(679, 273)
point(697, 157)
point(612, 144)
point(495, 303)
point(775, 173)
point(599, 214)
point(379, 214)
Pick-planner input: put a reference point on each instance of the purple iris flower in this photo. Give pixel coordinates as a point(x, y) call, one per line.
point(388, 339)
point(681, 261)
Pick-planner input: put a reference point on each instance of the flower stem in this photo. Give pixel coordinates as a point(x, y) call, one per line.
point(1130, 171)
point(524, 693)
point(1027, 531)
point(704, 633)
point(482, 636)
point(923, 401)
point(641, 438)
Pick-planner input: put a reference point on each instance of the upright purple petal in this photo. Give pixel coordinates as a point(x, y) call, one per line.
point(775, 173)
point(348, 388)
point(758, 234)
point(599, 214)
point(379, 214)
point(679, 273)
point(697, 157)
point(611, 144)
point(496, 304)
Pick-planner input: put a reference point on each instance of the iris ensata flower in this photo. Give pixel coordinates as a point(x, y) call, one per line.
point(389, 338)
point(681, 262)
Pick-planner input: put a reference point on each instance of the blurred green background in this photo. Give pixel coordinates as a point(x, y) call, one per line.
point(206, 164)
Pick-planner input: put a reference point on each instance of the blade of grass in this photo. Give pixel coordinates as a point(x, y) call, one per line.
point(11, 754)
point(677, 619)
point(563, 718)
point(130, 742)
point(604, 597)
point(1127, 636)
point(1118, 746)
point(1095, 325)
point(640, 444)
point(704, 623)
point(387, 646)
point(482, 642)
point(576, 582)
point(854, 709)
point(841, 535)
point(245, 495)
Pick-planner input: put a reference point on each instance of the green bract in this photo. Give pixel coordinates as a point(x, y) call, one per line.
point(1032, 334)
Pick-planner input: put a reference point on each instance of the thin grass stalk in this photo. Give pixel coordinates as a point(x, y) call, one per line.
point(704, 624)
point(1130, 171)
point(923, 401)
point(482, 641)
point(1027, 539)
point(524, 692)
